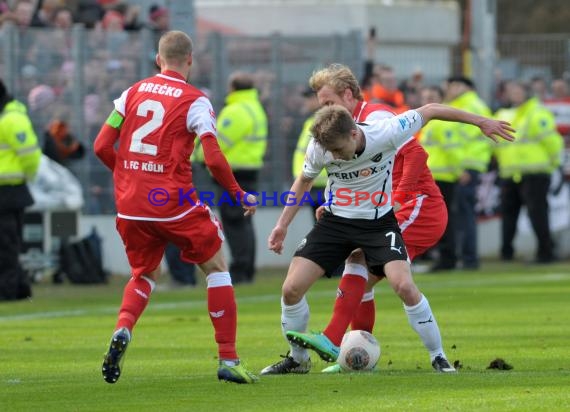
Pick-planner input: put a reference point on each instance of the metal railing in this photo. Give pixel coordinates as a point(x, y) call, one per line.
point(86, 69)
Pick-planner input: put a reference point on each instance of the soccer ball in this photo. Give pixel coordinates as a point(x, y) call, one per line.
point(359, 351)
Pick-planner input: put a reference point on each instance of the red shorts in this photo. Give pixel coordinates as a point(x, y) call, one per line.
point(422, 223)
point(198, 235)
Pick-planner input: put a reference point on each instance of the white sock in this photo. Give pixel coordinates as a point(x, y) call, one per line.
point(295, 317)
point(423, 322)
point(151, 282)
point(230, 362)
point(368, 296)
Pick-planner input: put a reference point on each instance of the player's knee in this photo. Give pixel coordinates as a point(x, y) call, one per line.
point(216, 263)
point(406, 289)
point(153, 275)
point(291, 294)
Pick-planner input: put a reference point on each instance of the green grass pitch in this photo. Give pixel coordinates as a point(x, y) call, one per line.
point(51, 348)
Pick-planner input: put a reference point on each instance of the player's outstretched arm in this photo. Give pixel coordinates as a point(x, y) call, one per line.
point(218, 165)
point(489, 127)
point(301, 185)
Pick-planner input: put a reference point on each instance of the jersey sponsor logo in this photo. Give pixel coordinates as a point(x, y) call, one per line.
point(369, 171)
point(162, 89)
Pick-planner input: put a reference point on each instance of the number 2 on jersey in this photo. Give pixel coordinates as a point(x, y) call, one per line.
point(157, 111)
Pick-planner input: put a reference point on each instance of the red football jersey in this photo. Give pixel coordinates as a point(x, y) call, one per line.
point(153, 177)
point(371, 111)
point(418, 178)
point(410, 173)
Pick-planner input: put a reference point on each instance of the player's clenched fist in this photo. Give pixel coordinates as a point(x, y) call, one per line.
point(276, 238)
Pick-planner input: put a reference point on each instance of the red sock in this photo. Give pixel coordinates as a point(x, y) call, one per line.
point(349, 295)
point(223, 313)
point(135, 298)
point(365, 316)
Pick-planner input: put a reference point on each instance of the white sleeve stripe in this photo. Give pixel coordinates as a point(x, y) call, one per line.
point(200, 118)
point(415, 213)
point(121, 102)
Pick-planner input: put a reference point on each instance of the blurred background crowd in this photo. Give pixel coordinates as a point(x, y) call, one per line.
point(66, 60)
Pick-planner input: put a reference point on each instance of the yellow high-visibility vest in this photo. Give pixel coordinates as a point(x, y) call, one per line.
point(477, 148)
point(445, 150)
point(242, 130)
point(538, 145)
point(300, 151)
point(19, 150)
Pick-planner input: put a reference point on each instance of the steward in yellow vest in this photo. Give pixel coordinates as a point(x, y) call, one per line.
point(525, 168)
point(505, 154)
point(445, 151)
point(311, 104)
point(477, 150)
point(444, 147)
point(19, 162)
point(242, 127)
point(538, 147)
point(242, 136)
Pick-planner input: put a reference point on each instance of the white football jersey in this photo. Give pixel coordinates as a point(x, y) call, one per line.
point(361, 188)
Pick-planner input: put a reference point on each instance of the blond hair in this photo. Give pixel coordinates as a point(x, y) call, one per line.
point(337, 76)
point(174, 47)
point(332, 123)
